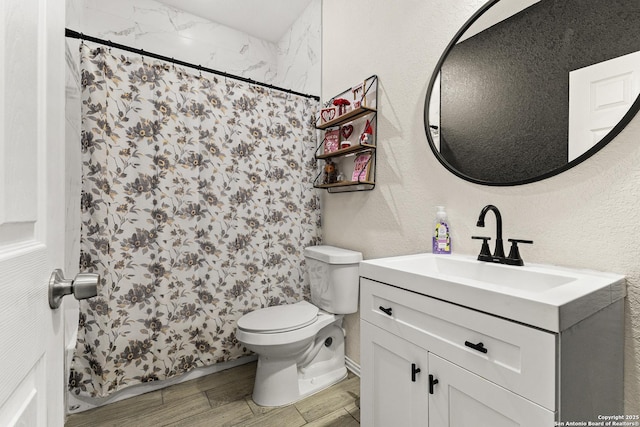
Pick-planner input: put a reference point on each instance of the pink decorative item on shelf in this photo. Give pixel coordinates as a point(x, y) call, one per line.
point(342, 104)
point(331, 141)
point(327, 114)
point(346, 131)
point(359, 95)
point(361, 167)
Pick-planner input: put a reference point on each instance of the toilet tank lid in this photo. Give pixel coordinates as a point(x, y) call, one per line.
point(333, 255)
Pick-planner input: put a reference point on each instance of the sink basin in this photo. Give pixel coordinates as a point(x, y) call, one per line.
point(496, 275)
point(548, 297)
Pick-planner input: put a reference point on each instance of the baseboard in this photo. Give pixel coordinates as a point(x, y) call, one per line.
point(352, 366)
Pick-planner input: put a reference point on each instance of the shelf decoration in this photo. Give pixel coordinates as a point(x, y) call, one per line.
point(328, 114)
point(330, 172)
point(346, 132)
point(331, 141)
point(366, 137)
point(361, 167)
point(348, 123)
point(359, 95)
point(342, 105)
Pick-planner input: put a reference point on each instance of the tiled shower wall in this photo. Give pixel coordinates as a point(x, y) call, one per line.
point(293, 62)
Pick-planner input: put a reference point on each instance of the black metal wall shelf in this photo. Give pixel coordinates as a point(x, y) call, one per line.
point(364, 106)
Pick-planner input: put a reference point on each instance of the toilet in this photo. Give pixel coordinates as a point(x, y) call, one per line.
point(300, 346)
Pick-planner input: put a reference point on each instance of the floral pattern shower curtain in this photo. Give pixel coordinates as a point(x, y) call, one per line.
point(197, 203)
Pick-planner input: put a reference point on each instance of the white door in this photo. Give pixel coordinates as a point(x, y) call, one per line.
point(394, 380)
point(599, 96)
point(463, 399)
point(31, 210)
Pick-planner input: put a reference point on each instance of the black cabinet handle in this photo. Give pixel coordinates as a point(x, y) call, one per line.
point(432, 382)
point(478, 347)
point(387, 311)
point(414, 371)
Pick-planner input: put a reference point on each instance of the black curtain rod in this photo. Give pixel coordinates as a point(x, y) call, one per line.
point(76, 35)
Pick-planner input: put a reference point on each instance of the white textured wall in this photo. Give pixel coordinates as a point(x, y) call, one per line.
point(587, 217)
point(292, 63)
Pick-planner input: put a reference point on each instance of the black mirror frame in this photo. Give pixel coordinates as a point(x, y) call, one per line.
point(629, 115)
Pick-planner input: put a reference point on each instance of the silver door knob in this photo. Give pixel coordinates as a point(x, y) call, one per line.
point(85, 285)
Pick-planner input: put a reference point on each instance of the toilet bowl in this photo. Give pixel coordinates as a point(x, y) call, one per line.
point(285, 374)
point(300, 346)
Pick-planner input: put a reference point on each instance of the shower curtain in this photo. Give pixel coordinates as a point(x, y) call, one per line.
point(197, 203)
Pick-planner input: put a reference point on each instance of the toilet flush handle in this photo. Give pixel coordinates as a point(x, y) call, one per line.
point(83, 286)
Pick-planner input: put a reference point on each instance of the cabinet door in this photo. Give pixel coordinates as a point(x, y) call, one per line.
point(463, 399)
point(393, 391)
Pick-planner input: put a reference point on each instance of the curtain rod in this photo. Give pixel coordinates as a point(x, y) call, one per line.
point(76, 35)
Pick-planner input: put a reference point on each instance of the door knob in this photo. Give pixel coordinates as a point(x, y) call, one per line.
point(85, 285)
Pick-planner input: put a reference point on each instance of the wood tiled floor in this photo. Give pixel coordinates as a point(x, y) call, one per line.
point(224, 399)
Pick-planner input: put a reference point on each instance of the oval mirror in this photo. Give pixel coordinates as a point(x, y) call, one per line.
point(530, 88)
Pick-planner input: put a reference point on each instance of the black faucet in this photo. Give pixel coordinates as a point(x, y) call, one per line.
point(498, 253)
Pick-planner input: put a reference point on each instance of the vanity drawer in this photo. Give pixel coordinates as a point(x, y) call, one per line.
point(517, 357)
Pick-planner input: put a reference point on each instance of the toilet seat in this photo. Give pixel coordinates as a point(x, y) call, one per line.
point(281, 318)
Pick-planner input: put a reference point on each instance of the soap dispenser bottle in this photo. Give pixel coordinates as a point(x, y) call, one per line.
point(442, 233)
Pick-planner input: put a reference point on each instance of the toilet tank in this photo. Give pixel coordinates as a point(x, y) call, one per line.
point(333, 276)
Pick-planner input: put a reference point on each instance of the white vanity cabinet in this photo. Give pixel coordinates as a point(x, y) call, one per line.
point(396, 380)
point(429, 362)
point(462, 398)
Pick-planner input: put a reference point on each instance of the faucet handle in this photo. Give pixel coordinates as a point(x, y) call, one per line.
point(514, 257)
point(485, 252)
